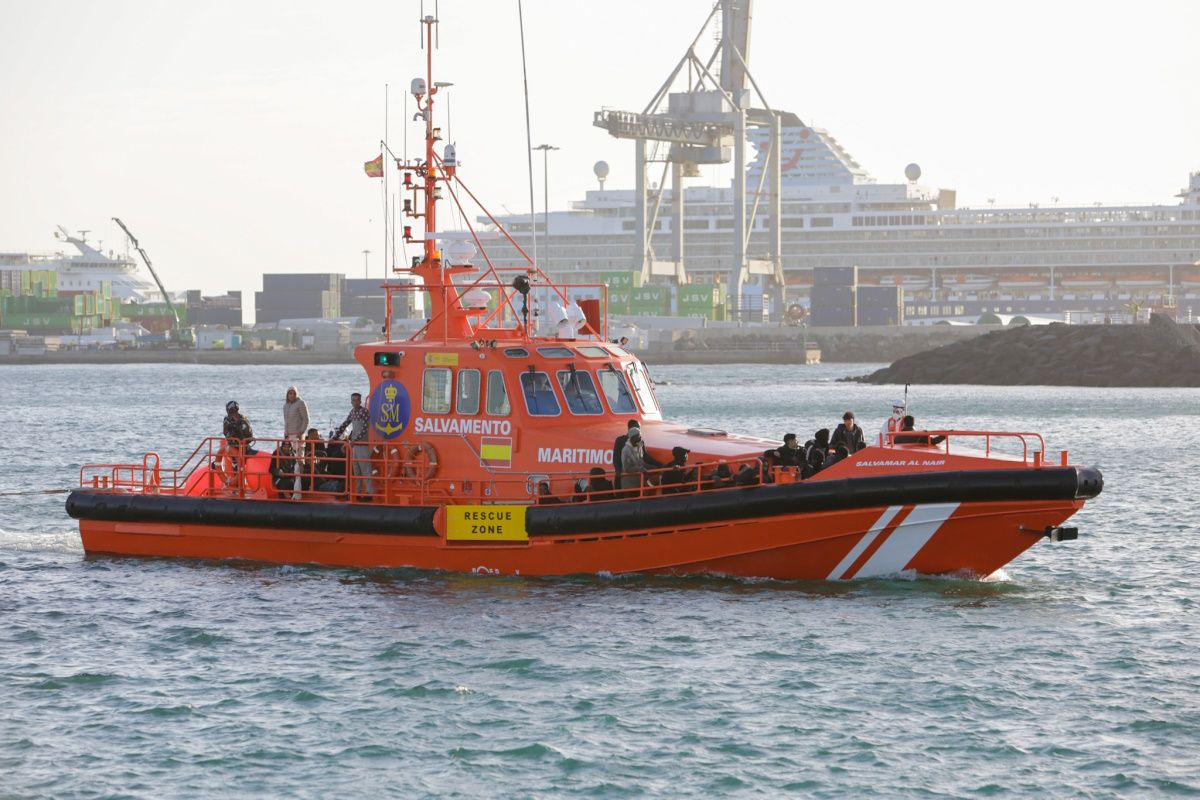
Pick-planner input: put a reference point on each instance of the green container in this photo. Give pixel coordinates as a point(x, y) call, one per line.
point(650, 300)
point(621, 280)
point(699, 300)
point(618, 301)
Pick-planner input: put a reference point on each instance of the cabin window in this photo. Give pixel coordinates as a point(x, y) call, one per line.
point(555, 352)
point(516, 352)
point(435, 390)
point(540, 399)
point(580, 392)
point(468, 392)
point(616, 391)
point(497, 395)
point(641, 387)
point(591, 351)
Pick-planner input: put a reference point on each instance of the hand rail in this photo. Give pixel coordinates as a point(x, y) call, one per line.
point(393, 476)
point(1024, 437)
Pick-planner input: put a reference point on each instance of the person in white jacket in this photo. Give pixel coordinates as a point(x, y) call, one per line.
point(295, 425)
point(894, 423)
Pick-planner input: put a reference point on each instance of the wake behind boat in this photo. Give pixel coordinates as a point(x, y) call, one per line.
point(490, 437)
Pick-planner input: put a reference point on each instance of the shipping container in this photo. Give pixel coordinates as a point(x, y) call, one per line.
point(621, 280)
point(835, 276)
point(880, 305)
point(833, 306)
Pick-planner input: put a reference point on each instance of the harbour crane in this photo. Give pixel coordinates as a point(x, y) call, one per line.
point(149, 266)
point(701, 122)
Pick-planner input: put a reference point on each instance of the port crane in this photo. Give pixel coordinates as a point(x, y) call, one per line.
point(149, 266)
point(700, 117)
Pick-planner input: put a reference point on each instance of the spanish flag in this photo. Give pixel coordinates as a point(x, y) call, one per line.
point(374, 168)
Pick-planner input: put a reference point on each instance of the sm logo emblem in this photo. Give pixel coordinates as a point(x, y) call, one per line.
point(390, 409)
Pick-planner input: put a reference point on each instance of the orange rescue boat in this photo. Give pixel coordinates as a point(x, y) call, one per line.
point(484, 424)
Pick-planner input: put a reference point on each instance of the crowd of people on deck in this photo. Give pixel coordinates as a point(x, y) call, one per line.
point(634, 469)
point(303, 461)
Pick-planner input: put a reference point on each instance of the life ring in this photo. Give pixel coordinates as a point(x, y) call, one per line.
point(222, 465)
point(416, 455)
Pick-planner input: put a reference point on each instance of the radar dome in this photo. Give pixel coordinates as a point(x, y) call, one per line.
point(601, 169)
point(912, 172)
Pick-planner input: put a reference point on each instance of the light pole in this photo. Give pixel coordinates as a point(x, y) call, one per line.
point(545, 148)
point(365, 254)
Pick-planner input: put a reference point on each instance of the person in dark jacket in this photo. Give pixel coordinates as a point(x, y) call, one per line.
point(594, 487)
point(238, 435)
point(909, 424)
point(676, 478)
point(837, 455)
point(790, 454)
point(283, 468)
point(848, 434)
point(815, 450)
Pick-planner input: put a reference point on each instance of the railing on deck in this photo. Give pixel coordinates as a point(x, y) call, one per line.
point(944, 437)
point(396, 475)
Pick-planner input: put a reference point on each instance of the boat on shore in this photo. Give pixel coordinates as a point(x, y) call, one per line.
point(489, 448)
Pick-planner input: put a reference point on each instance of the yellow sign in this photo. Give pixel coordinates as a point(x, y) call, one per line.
point(486, 524)
point(441, 359)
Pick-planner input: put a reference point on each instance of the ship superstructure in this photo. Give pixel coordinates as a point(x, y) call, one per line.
point(87, 270)
point(835, 215)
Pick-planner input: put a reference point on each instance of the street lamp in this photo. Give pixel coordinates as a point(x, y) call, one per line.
point(545, 148)
point(365, 254)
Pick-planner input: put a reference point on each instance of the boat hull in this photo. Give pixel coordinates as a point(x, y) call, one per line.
point(817, 530)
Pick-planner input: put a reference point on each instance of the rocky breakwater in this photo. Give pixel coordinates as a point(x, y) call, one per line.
point(1161, 353)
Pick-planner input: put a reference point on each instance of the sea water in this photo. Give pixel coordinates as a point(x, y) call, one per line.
point(1073, 672)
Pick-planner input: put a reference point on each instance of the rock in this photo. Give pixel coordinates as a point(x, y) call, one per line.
point(1161, 353)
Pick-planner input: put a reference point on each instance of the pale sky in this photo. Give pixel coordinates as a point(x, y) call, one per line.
point(230, 135)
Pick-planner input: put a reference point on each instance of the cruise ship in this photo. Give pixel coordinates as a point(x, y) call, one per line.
point(951, 261)
point(85, 271)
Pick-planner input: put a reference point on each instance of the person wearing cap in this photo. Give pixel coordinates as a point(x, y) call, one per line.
point(676, 476)
point(848, 434)
point(893, 423)
point(238, 433)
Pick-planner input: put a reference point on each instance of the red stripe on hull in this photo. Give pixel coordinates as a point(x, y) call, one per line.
point(977, 539)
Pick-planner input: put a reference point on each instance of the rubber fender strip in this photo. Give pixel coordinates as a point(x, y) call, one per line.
point(967, 486)
point(347, 518)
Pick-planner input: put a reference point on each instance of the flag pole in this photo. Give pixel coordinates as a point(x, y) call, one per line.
point(385, 185)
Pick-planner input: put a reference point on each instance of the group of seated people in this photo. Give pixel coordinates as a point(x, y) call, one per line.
point(319, 466)
point(634, 468)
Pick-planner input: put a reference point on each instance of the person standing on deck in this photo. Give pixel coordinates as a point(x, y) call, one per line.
point(295, 423)
point(295, 415)
point(848, 434)
point(618, 449)
point(357, 420)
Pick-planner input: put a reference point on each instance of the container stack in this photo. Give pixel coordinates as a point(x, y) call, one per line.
point(620, 289)
point(834, 297)
point(880, 305)
point(299, 296)
point(701, 300)
point(650, 301)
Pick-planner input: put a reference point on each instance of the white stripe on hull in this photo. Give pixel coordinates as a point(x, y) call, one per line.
point(884, 519)
point(907, 540)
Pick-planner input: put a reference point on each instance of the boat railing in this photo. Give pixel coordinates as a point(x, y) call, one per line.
point(1033, 447)
point(294, 470)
